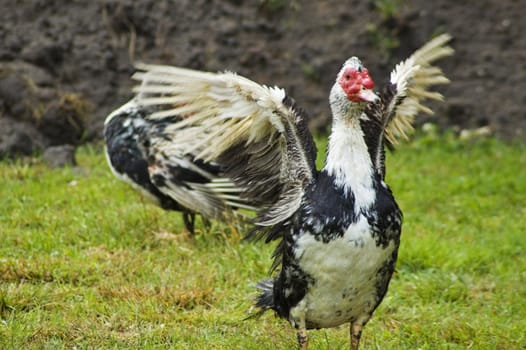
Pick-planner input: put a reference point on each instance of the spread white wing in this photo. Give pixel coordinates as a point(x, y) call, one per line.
point(255, 134)
point(412, 80)
point(392, 116)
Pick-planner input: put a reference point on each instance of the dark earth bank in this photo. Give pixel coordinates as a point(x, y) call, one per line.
point(64, 65)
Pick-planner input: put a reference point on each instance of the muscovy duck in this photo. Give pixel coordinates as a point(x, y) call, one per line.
point(169, 182)
point(339, 227)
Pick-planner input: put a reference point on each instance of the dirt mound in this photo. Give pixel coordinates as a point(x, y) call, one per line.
point(85, 50)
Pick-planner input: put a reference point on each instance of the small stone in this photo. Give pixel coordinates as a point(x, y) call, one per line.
point(60, 156)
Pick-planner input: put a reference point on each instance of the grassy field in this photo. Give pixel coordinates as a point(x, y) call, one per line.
point(86, 264)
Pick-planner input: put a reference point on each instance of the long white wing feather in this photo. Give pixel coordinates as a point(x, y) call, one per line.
point(413, 79)
point(255, 133)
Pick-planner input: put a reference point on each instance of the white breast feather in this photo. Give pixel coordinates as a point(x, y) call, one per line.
point(350, 163)
point(343, 269)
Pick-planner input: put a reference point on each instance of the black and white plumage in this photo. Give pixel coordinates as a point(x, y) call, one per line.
point(338, 227)
point(176, 182)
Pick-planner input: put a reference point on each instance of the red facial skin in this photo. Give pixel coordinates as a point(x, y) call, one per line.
point(352, 82)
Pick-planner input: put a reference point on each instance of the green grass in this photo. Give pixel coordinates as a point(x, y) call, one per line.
point(84, 263)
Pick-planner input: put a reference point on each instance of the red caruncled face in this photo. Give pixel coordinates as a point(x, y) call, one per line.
point(352, 81)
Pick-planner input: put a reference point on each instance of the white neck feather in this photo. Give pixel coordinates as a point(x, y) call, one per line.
point(348, 160)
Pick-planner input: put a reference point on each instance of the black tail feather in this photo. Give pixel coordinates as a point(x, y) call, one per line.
point(265, 300)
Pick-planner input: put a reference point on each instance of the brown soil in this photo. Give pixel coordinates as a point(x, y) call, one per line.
point(64, 65)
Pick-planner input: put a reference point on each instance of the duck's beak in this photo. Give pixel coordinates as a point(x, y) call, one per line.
point(368, 95)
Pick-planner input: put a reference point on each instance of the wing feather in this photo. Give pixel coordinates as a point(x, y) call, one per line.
point(412, 80)
point(255, 133)
point(403, 97)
